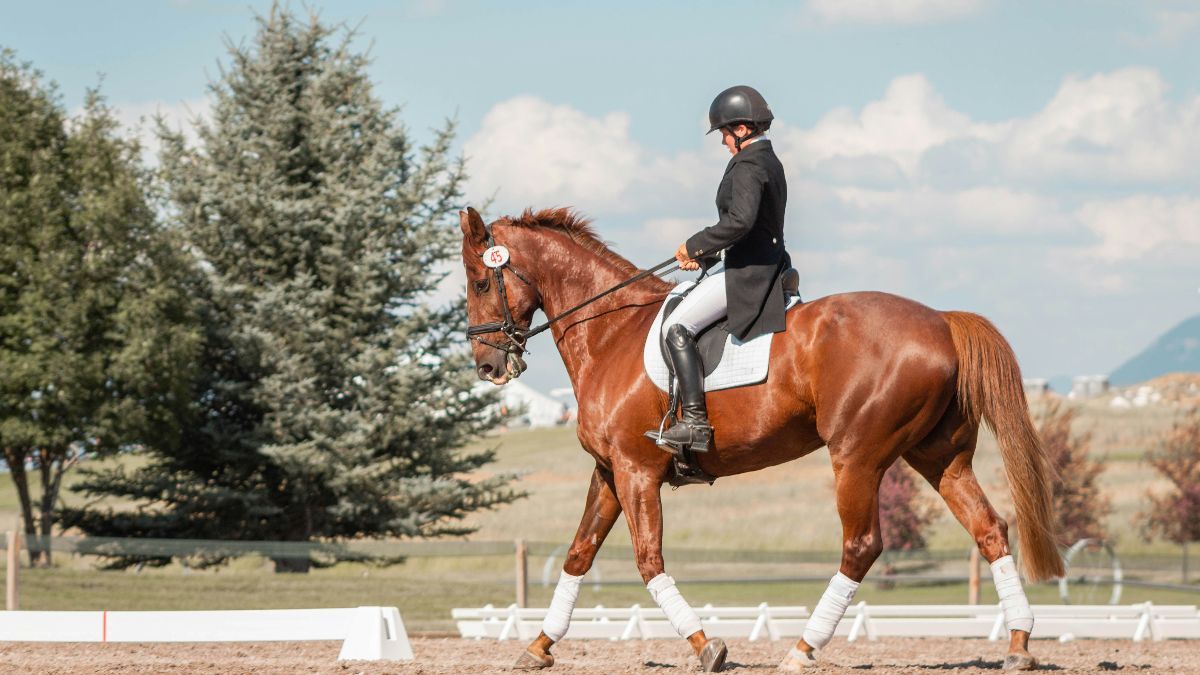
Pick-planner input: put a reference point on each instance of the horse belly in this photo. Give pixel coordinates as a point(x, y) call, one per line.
point(762, 425)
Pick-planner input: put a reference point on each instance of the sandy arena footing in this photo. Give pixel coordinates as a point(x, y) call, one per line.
point(455, 655)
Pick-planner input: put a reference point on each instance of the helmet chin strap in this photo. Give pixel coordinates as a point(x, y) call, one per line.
point(738, 140)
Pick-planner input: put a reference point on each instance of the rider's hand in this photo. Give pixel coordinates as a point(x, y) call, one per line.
point(685, 261)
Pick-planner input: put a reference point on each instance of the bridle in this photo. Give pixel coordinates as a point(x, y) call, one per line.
point(518, 336)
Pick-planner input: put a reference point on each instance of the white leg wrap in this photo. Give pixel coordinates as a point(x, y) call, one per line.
point(681, 615)
point(830, 610)
point(558, 617)
point(1017, 613)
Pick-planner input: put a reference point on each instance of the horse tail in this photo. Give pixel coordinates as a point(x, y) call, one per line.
point(990, 387)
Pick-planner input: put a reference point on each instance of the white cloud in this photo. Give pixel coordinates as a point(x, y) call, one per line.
point(535, 153)
point(907, 173)
point(893, 11)
point(668, 233)
point(138, 119)
point(1143, 224)
point(896, 130)
point(1116, 126)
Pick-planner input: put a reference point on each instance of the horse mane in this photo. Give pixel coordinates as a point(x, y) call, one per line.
point(577, 227)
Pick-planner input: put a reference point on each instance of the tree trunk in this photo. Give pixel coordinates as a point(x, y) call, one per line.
point(292, 565)
point(47, 469)
point(301, 531)
point(15, 459)
point(51, 470)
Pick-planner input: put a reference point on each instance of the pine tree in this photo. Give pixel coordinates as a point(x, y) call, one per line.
point(334, 400)
point(1079, 505)
point(96, 334)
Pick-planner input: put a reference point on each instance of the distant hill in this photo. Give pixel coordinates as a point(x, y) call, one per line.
point(1177, 350)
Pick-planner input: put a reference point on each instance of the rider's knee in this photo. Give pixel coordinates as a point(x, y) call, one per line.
point(679, 335)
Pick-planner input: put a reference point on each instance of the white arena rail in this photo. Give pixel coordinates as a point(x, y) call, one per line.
point(1065, 622)
point(367, 633)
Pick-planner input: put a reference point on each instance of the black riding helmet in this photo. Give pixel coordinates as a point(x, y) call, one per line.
point(740, 105)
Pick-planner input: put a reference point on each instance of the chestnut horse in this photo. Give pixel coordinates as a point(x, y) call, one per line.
point(873, 377)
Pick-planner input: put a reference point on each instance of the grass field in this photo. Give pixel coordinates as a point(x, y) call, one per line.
point(785, 508)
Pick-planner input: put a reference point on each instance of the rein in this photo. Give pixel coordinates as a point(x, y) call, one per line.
point(518, 336)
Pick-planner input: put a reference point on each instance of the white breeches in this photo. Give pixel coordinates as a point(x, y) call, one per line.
point(702, 307)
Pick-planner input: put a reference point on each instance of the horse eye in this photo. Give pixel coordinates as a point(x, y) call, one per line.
point(480, 286)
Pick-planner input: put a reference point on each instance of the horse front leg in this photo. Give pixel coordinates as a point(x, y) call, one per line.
point(600, 511)
point(641, 498)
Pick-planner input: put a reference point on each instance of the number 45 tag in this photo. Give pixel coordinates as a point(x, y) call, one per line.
point(495, 256)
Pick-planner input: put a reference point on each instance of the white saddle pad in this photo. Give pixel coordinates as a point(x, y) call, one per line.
point(742, 363)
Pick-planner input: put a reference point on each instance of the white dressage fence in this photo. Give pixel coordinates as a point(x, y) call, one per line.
point(1135, 622)
point(367, 633)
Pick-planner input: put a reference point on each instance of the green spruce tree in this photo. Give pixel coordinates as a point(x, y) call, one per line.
point(97, 337)
point(333, 401)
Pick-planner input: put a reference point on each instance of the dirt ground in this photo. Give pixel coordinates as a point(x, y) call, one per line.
point(455, 655)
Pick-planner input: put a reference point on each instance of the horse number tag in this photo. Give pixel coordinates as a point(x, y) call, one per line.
point(495, 256)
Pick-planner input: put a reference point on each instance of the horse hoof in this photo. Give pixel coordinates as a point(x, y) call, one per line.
point(797, 661)
point(1020, 662)
point(712, 657)
point(531, 661)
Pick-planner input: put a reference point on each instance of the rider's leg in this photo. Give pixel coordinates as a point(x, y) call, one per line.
point(702, 307)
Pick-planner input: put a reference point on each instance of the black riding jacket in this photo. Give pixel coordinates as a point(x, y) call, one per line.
point(750, 201)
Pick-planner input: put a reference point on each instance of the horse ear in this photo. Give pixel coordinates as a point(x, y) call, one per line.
point(472, 226)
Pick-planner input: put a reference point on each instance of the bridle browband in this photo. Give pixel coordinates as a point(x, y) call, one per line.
point(518, 336)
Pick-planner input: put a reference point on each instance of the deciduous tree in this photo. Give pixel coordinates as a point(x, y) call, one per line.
point(904, 514)
point(1174, 514)
point(97, 337)
point(1079, 504)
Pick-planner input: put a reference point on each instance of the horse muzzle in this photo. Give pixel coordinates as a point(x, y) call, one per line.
point(514, 365)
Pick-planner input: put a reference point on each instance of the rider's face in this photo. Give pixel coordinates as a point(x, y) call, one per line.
point(727, 137)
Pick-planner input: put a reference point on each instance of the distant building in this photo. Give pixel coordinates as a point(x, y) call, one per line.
point(1036, 386)
point(1088, 386)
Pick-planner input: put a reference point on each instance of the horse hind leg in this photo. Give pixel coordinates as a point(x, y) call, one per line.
point(857, 488)
point(944, 459)
point(600, 512)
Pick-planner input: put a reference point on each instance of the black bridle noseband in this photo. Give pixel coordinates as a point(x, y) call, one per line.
point(516, 335)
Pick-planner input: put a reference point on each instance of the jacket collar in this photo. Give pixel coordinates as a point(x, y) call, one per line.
point(755, 147)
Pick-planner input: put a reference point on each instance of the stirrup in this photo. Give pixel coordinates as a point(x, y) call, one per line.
point(699, 438)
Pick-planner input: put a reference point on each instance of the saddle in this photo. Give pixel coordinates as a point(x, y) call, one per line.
point(711, 343)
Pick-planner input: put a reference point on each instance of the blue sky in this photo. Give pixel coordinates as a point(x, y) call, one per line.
point(1035, 162)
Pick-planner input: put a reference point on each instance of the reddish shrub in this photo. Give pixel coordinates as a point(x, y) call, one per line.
point(1079, 506)
point(1175, 515)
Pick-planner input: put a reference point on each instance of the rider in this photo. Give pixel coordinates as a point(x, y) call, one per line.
point(749, 234)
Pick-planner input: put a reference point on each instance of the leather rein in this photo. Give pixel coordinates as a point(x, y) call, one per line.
point(516, 335)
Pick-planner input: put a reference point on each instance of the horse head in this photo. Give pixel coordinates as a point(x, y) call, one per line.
point(501, 300)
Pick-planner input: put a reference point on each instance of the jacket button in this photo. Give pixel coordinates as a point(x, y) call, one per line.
point(774, 240)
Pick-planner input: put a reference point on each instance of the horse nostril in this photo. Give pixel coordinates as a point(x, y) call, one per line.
point(485, 371)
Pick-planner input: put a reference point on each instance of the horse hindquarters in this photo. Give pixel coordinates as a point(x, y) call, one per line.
point(990, 387)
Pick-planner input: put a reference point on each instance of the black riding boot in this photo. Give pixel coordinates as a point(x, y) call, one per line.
point(692, 431)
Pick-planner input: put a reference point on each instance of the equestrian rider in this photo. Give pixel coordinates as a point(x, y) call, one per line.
point(749, 234)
